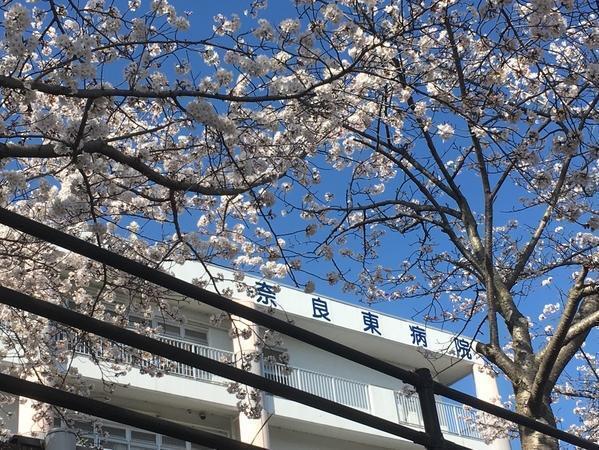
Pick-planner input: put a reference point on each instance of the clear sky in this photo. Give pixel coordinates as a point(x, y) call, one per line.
point(202, 13)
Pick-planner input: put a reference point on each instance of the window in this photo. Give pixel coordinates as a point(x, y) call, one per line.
point(142, 440)
point(84, 427)
point(196, 336)
point(115, 433)
point(110, 444)
point(143, 437)
point(169, 443)
point(120, 437)
point(135, 319)
point(192, 333)
point(171, 330)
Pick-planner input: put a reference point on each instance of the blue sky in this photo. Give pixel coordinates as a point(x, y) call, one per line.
point(201, 20)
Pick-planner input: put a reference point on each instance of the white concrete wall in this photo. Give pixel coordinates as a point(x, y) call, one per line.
point(187, 388)
point(214, 397)
point(381, 392)
point(312, 420)
point(253, 430)
point(311, 358)
point(284, 439)
point(486, 388)
point(345, 315)
point(382, 403)
point(306, 414)
point(168, 408)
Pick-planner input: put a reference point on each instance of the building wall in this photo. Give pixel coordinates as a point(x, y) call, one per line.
point(300, 427)
point(189, 396)
point(312, 358)
point(284, 439)
point(9, 411)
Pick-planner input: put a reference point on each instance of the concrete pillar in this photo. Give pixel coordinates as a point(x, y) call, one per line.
point(60, 439)
point(254, 431)
point(27, 422)
point(383, 404)
point(485, 384)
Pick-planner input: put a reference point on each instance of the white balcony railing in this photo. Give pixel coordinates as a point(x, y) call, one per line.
point(141, 359)
point(454, 419)
point(340, 390)
point(202, 350)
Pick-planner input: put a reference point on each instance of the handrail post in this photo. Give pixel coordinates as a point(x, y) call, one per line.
point(456, 419)
point(428, 407)
point(334, 389)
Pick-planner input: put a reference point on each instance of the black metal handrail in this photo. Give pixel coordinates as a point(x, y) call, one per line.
point(423, 385)
point(124, 336)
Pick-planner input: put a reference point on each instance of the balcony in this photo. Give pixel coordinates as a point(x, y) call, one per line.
point(138, 359)
point(340, 390)
point(453, 418)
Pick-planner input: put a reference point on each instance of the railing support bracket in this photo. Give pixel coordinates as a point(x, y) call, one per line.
point(428, 406)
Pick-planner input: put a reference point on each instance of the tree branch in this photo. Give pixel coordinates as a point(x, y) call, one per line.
point(8, 150)
point(587, 318)
point(93, 93)
point(547, 357)
point(530, 246)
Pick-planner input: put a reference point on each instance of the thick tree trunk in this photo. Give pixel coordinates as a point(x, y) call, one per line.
point(532, 440)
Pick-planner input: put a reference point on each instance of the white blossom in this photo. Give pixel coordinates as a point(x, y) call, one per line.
point(445, 131)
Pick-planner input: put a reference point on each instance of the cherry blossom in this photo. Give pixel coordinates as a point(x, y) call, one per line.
point(462, 135)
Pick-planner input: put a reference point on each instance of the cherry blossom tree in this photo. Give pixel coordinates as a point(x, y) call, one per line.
point(463, 135)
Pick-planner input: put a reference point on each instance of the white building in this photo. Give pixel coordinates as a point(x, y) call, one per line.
point(199, 399)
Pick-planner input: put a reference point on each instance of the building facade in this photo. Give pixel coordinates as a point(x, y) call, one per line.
point(200, 399)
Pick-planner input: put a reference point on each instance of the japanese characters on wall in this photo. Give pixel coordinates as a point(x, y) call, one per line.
point(268, 295)
point(368, 321)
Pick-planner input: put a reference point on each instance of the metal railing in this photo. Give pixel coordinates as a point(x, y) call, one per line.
point(136, 358)
point(340, 390)
point(453, 418)
point(202, 350)
point(421, 379)
point(110, 435)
